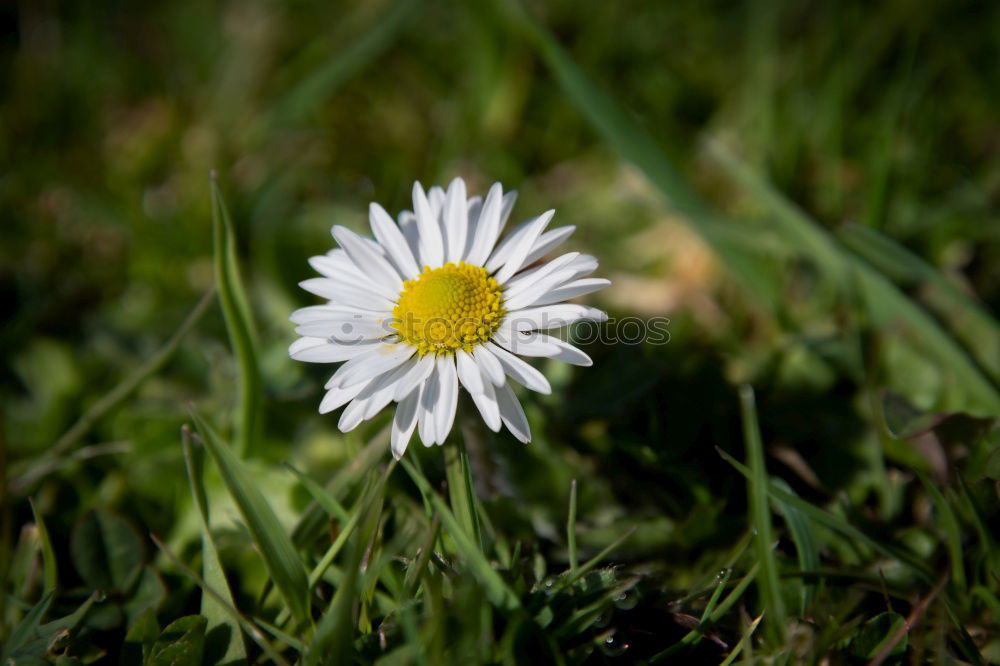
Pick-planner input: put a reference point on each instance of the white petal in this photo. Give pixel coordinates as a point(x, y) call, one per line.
point(411, 232)
point(520, 251)
point(381, 389)
point(528, 344)
point(403, 423)
point(549, 241)
point(502, 251)
point(523, 373)
point(512, 413)
point(428, 404)
point(382, 358)
point(369, 261)
point(548, 317)
point(486, 403)
point(393, 241)
point(320, 350)
point(337, 397)
point(414, 377)
point(488, 363)
point(572, 290)
point(526, 278)
point(448, 401)
point(506, 206)
point(456, 221)
point(313, 313)
point(436, 198)
point(353, 414)
point(528, 293)
point(431, 243)
point(468, 372)
point(348, 328)
point(345, 294)
point(487, 228)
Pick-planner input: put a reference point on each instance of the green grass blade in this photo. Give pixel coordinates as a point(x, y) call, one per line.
point(571, 577)
point(239, 320)
point(327, 501)
point(952, 530)
point(838, 524)
point(967, 319)
point(498, 592)
point(275, 546)
point(760, 518)
point(743, 642)
point(219, 620)
point(571, 528)
point(26, 627)
point(332, 641)
point(314, 517)
point(804, 538)
point(50, 569)
point(21, 479)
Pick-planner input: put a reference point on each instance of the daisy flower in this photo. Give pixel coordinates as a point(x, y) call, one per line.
point(434, 303)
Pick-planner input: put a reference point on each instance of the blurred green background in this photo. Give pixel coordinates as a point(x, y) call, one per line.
point(809, 191)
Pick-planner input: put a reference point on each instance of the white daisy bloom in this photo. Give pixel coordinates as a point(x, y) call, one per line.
point(435, 302)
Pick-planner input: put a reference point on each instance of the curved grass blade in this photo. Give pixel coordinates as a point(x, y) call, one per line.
point(239, 320)
point(952, 530)
point(23, 479)
point(498, 592)
point(332, 641)
point(219, 620)
point(837, 524)
point(280, 557)
point(26, 627)
point(804, 538)
point(760, 519)
point(744, 641)
point(51, 574)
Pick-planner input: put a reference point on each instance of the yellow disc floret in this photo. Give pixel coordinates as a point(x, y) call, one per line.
point(453, 307)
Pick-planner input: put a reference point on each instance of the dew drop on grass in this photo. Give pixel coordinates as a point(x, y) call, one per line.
point(627, 600)
point(614, 646)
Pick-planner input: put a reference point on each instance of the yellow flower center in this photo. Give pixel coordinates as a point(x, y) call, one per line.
point(448, 308)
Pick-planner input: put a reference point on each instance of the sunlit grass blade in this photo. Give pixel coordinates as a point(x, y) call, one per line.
point(496, 589)
point(966, 318)
point(23, 478)
point(219, 620)
point(952, 530)
point(744, 641)
point(332, 640)
point(49, 567)
point(460, 491)
point(838, 524)
point(275, 546)
point(239, 320)
point(887, 307)
point(760, 518)
point(571, 528)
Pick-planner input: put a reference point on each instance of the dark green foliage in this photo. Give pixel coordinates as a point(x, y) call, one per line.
point(808, 191)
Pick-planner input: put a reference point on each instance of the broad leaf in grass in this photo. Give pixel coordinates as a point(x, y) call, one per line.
point(107, 552)
point(876, 634)
point(280, 557)
point(182, 643)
